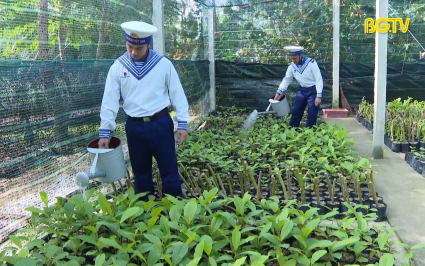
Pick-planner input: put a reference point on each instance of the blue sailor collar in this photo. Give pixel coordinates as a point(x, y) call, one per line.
point(304, 63)
point(140, 69)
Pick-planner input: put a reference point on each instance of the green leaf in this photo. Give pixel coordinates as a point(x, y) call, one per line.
point(407, 256)
point(239, 204)
point(27, 262)
point(190, 211)
point(175, 213)
point(16, 240)
point(239, 262)
point(111, 242)
point(69, 209)
point(236, 238)
point(100, 259)
point(153, 238)
point(23, 253)
point(89, 239)
point(199, 250)
point(418, 246)
point(216, 223)
point(341, 244)
point(212, 261)
point(286, 229)
point(272, 239)
point(194, 262)
point(386, 260)
point(167, 259)
point(156, 211)
point(43, 196)
point(130, 212)
point(104, 205)
point(265, 229)
point(34, 210)
point(179, 252)
point(208, 243)
point(154, 255)
point(317, 255)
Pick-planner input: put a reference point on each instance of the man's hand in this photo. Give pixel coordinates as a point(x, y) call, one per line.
point(318, 101)
point(277, 96)
point(103, 144)
point(181, 136)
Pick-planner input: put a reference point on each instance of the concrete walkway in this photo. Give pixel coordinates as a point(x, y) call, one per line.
point(401, 187)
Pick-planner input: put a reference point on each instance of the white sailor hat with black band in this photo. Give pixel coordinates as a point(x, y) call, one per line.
point(138, 32)
point(294, 50)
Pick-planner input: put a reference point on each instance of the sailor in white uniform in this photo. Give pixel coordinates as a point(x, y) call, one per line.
point(306, 71)
point(148, 83)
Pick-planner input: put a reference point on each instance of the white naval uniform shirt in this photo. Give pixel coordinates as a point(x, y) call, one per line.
point(146, 88)
point(307, 74)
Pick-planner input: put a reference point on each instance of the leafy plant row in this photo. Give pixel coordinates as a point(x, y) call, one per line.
point(314, 166)
point(205, 231)
point(404, 123)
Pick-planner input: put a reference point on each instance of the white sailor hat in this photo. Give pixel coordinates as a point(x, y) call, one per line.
point(138, 32)
point(294, 50)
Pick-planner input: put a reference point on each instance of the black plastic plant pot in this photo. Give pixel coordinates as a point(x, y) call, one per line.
point(395, 146)
point(414, 145)
point(322, 210)
point(382, 211)
point(335, 205)
point(408, 156)
point(358, 117)
point(422, 144)
point(362, 208)
point(304, 207)
point(372, 201)
point(404, 147)
point(386, 140)
point(369, 126)
point(417, 165)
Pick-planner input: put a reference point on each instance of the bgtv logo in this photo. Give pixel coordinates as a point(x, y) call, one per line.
point(383, 25)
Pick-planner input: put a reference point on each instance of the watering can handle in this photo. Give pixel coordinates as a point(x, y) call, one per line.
point(93, 166)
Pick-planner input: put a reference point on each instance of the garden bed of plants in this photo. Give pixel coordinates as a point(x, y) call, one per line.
point(208, 230)
point(404, 128)
point(317, 167)
point(404, 123)
point(272, 195)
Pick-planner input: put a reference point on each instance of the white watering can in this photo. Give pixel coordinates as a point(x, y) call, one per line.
point(108, 165)
point(280, 108)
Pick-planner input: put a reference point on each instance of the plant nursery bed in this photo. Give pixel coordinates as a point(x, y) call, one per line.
point(272, 195)
point(209, 230)
point(404, 125)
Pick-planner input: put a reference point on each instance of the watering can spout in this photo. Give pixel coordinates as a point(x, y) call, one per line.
point(83, 178)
